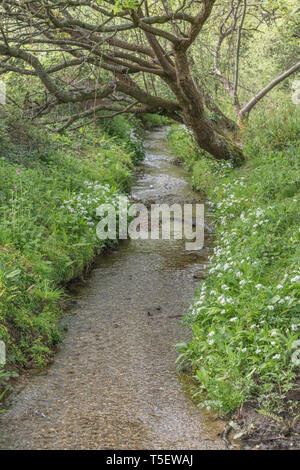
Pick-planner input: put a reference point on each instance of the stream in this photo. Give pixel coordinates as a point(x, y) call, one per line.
point(113, 383)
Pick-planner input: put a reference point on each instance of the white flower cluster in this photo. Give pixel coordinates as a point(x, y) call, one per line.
point(84, 204)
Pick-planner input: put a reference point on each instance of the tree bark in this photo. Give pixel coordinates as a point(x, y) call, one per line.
point(165, 57)
point(191, 101)
point(245, 111)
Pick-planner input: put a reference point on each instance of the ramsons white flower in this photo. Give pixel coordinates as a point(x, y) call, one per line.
point(277, 356)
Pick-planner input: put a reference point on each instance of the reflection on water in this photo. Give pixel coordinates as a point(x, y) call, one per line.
point(113, 384)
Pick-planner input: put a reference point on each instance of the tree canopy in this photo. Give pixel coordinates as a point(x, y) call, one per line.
point(99, 58)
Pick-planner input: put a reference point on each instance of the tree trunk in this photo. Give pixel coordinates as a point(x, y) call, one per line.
point(191, 102)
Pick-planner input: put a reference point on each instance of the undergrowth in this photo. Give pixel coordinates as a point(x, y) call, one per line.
point(245, 315)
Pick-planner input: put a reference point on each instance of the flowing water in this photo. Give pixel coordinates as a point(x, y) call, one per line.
point(113, 383)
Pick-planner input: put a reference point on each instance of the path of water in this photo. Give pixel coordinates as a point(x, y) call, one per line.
point(113, 383)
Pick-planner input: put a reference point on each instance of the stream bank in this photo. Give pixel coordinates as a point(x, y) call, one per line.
point(113, 383)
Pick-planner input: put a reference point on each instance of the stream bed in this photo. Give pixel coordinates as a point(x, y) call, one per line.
point(113, 383)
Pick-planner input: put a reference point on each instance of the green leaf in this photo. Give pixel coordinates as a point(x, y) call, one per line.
point(275, 299)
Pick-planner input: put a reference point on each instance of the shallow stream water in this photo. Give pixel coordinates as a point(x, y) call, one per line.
point(113, 383)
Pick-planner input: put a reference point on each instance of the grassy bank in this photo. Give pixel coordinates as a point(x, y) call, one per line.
point(245, 315)
point(49, 190)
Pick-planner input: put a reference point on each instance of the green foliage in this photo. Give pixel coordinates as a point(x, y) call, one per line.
point(197, 161)
point(128, 133)
point(121, 4)
point(154, 120)
point(245, 315)
point(48, 198)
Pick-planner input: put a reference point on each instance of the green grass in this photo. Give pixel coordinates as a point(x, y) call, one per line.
point(245, 316)
point(49, 191)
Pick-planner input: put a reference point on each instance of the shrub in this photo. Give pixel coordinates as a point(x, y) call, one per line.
point(48, 199)
point(245, 315)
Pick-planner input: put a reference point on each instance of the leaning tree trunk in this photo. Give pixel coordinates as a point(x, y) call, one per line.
point(191, 101)
point(222, 147)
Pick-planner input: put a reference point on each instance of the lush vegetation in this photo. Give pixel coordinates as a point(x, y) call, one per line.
point(81, 79)
point(245, 315)
point(183, 60)
point(49, 190)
